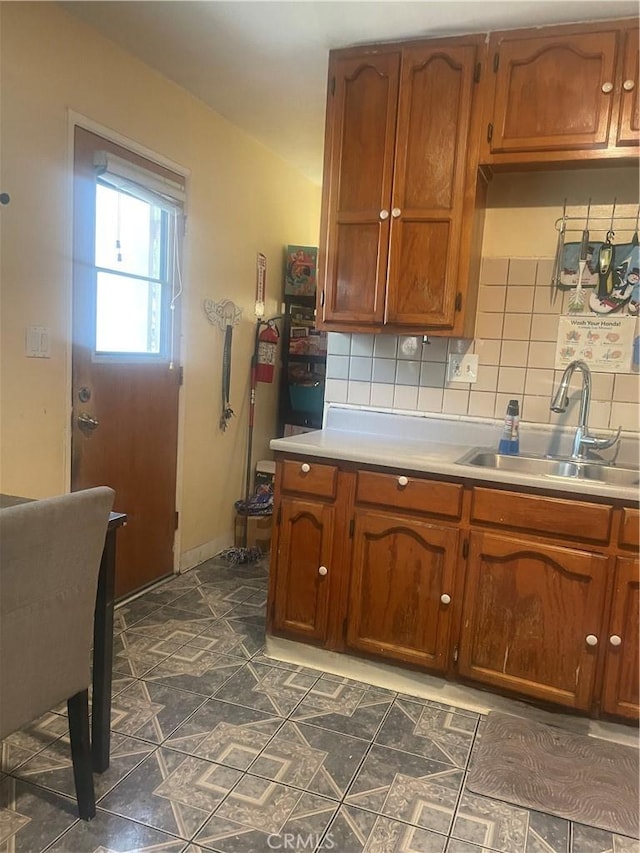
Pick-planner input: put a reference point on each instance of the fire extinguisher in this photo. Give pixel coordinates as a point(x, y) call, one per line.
point(266, 358)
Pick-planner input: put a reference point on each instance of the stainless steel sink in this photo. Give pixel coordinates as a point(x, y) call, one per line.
point(543, 466)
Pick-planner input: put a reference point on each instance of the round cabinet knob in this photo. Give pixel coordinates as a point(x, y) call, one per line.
point(629, 85)
point(607, 87)
point(403, 481)
point(591, 640)
point(384, 214)
point(445, 599)
point(396, 212)
point(323, 570)
point(305, 467)
point(615, 640)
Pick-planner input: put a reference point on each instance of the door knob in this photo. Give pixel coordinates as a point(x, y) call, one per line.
point(445, 599)
point(615, 640)
point(591, 640)
point(322, 570)
point(607, 87)
point(396, 212)
point(86, 421)
point(403, 481)
point(305, 467)
point(384, 214)
point(629, 85)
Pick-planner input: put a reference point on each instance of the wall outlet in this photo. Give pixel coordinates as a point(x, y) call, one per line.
point(462, 368)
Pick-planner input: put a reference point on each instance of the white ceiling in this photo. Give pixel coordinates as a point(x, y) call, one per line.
point(263, 65)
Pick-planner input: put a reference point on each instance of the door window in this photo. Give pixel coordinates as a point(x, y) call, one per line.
point(137, 276)
point(132, 286)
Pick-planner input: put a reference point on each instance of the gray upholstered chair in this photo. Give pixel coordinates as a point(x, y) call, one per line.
point(50, 554)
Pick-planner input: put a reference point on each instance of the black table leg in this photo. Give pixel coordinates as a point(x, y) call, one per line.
point(103, 656)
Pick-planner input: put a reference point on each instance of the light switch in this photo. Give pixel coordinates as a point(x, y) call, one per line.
point(462, 368)
point(37, 342)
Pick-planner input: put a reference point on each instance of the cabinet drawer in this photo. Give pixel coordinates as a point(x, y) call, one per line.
point(566, 519)
point(309, 478)
point(391, 490)
point(630, 528)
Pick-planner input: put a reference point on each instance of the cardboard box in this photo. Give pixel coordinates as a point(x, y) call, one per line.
point(258, 531)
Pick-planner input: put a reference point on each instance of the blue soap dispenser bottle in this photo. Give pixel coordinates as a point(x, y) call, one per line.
point(509, 440)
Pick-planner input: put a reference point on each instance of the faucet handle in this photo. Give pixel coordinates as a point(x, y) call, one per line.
point(601, 443)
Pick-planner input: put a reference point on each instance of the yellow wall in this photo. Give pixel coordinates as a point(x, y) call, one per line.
point(242, 199)
point(522, 208)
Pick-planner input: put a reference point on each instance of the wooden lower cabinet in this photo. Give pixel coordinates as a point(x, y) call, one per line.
point(402, 576)
point(300, 562)
point(530, 611)
point(413, 570)
point(621, 692)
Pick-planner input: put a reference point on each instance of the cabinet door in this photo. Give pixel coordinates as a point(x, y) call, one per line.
point(621, 693)
point(434, 113)
point(399, 572)
point(528, 609)
point(549, 91)
point(629, 123)
point(362, 107)
point(301, 587)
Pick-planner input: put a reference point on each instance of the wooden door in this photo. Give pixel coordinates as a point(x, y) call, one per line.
point(621, 691)
point(125, 404)
point(549, 91)
point(629, 121)
point(302, 585)
point(400, 570)
point(527, 611)
point(434, 114)
point(361, 121)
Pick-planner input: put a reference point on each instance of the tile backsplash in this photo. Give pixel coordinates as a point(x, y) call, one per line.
point(515, 341)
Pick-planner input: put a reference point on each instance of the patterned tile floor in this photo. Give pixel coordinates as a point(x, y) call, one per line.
point(216, 747)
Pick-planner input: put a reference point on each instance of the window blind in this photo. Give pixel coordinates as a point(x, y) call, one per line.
point(137, 181)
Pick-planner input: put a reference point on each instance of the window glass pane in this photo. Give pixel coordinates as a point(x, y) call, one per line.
point(128, 315)
point(128, 233)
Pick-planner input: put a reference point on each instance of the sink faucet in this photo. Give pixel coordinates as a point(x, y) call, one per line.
point(582, 441)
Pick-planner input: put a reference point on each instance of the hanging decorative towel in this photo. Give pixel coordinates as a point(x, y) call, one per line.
point(625, 278)
point(570, 265)
point(224, 314)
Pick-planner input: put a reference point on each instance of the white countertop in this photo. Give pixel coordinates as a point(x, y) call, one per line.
point(434, 445)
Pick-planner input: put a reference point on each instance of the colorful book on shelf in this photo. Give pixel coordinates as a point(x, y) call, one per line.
point(314, 343)
point(301, 263)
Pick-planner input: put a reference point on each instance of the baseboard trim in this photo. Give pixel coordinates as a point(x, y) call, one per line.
point(195, 556)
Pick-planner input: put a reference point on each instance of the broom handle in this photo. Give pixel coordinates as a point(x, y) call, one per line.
point(252, 406)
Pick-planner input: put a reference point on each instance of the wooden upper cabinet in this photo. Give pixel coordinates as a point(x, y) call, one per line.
point(399, 186)
point(558, 94)
point(434, 116)
point(549, 92)
point(363, 96)
point(629, 123)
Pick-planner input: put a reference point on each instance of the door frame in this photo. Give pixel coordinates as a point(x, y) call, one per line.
point(75, 119)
